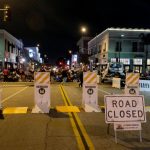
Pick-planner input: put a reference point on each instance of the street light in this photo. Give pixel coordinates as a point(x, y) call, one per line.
point(7, 13)
point(83, 29)
point(70, 51)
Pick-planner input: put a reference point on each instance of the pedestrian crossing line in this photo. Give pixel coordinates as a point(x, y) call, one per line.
point(15, 110)
point(83, 137)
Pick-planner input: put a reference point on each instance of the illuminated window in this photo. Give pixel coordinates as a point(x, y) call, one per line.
point(148, 61)
point(125, 61)
point(113, 59)
point(137, 61)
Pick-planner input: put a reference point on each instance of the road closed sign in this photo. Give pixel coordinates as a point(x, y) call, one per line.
point(124, 108)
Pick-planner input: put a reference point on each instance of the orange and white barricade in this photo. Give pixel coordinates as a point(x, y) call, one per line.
point(90, 92)
point(41, 92)
point(132, 83)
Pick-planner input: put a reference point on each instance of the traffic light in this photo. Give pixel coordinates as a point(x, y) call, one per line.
point(7, 13)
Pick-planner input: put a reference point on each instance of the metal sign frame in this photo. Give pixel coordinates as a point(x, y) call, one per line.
point(130, 127)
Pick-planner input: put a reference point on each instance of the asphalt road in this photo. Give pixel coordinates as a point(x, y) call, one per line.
point(58, 130)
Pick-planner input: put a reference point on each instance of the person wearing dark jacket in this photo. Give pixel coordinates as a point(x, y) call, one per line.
point(81, 78)
point(64, 76)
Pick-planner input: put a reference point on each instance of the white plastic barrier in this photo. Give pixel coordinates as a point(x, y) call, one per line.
point(144, 85)
point(116, 83)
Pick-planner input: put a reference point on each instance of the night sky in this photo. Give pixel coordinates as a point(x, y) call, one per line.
point(55, 24)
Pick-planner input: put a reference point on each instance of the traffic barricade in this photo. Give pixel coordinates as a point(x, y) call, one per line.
point(41, 92)
point(90, 92)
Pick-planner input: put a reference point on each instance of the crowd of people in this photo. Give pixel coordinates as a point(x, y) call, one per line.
point(66, 75)
point(61, 75)
point(14, 75)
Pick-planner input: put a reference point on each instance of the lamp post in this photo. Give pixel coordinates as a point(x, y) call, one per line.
point(82, 55)
point(70, 54)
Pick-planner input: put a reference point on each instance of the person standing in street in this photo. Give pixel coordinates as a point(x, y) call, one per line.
point(5, 73)
point(64, 76)
point(81, 78)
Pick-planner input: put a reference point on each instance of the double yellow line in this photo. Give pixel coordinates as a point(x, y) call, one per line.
point(83, 140)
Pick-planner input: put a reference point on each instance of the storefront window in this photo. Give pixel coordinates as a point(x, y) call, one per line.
point(148, 61)
point(137, 61)
point(113, 59)
point(125, 61)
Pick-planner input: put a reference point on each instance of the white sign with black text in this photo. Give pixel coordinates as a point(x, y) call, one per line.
point(127, 126)
point(90, 94)
point(41, 92)
point(42, 97)
point(90, 97)
point(124, 108)
point(144, 85)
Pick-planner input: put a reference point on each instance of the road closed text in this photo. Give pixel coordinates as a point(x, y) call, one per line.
point(124, 108)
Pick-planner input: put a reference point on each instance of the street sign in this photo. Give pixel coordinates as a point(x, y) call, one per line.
point(124, 108)
point(42, 92)
point(144, 85)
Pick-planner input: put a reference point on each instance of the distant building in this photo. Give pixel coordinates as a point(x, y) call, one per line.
point(33, 57)
point(83, 49)
point(10, 50)
point(33, 53)
point(122, 45)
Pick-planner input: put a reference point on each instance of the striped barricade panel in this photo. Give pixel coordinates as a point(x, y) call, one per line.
point(42, 77)
point(90, 77)
point(132, 78)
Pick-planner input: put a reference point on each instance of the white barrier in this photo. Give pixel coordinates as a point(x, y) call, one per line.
point(144, 85)
point(41, 92)
point(90, 92)
point(116, 83)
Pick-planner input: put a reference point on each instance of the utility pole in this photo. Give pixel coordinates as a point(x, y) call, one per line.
point(146, 40)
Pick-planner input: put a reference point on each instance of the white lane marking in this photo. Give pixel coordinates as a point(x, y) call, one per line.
point(5, 99)
point(104, 91)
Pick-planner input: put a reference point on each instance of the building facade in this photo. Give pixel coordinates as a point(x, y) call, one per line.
point(10, 50)
point(33, 57)
point(83, 50)
point(122, 45)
